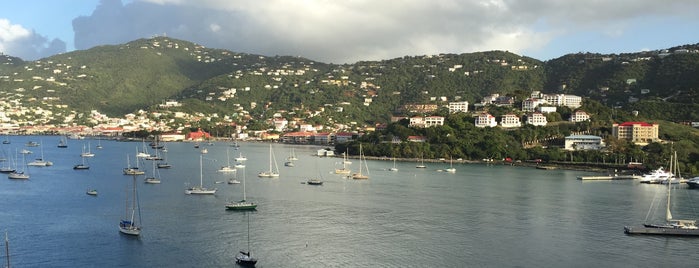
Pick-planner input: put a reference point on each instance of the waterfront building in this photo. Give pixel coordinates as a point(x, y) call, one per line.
point(640, 133)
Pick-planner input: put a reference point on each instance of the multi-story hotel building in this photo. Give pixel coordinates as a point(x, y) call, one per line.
point(640, 133)
point(510, 120)
point(486, 120)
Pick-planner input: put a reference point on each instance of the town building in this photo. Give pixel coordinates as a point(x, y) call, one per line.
point(583, 142)
point(579, 116)
point(537, 119)
point(458, 107)
point(486, 120)
point(640, 133)
point(510, 121)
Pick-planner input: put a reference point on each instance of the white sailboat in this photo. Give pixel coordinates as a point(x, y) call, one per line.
point(344, 169)
point(130, 224)
point(422, 163)
point(227, 167)
point(271, 173)
point(20, 174)
point(86, 151)
point(451, 168)
point(241, 158)
point(200, 190)
point(40, 162)
point(154, 178)
point(128, 170)
point(242, 204)
point(394, 168)
point(359, 175)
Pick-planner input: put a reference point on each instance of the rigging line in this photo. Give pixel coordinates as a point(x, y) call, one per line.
point(652, 207)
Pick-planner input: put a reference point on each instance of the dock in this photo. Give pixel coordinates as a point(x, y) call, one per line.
point(614, 177)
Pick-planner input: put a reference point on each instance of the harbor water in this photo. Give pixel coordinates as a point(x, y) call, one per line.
point(480, 216)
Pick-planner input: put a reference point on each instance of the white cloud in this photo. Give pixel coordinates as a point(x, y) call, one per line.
point(15, 40)
point(352, 30)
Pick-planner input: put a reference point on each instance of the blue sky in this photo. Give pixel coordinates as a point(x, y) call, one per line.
point(353, 30)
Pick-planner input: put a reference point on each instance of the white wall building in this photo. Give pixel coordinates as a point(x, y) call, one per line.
point(460, 106)
point(486, 120)
point(529, 105)
point(510, 120)
point(537, 119)
point(583, 142)
point(579, 116)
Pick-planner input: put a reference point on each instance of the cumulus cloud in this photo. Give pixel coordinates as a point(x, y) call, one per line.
point(352, 30)
point(18, 41)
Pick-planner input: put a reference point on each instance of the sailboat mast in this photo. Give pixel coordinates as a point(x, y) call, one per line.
point(668, 215)
point(201, 171)
point(7, 246)
point(247, 213)
point(244, 197)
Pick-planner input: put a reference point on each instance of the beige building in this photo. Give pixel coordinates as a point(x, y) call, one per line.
point(640, 133)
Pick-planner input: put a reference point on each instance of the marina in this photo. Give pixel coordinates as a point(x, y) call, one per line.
point(481, 216)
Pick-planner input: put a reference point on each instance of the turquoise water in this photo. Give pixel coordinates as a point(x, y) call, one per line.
point(481, 216)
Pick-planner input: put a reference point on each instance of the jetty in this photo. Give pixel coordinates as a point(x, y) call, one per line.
point(612, 177)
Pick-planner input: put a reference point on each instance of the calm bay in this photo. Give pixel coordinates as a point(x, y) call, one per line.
point(481, 216)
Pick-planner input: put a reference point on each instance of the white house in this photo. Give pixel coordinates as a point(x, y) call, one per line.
point(510, 120)
point(537, 119)
point(486, 120)
point(579, 116)
point(529, 105)
point(459, 106)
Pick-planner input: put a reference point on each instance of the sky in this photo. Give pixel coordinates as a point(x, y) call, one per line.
point(347, 31)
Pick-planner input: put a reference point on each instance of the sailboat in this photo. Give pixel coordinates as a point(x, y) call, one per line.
point(129, 225)
point(40, 162)
point(7, 167)
point(422, 163)
point(245, 258)
point(128, 170)
point(20, 175)
point(359, 175)
point(200, 190)
point(344, 169)
point(292, 156)
point(271, 173)
point(671, 226)
point(242, 204)
point(241, 158)
point(394, 168)
point(155, 178)
point(63, 143)
point(99, 144)
point(451, 168)
point(227, 167)
point(81, 165)
point(92, 192)
point(86, 151)
point(164, 163)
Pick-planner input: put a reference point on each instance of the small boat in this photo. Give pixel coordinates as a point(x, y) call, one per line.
point(155, 178)
point(91, 192)
point(81, 165)
point(451, 168)
point(163, 165)
point(359, 175)
point(233, 181)
point(63, 143)
point(99, 144)
point(200, 190)
point(344, 169)
point(129, 224)
point(692, 183)
point(314, 181)
point(19, 175)
point(25, 151)
point(227, 167)
point(129, 170)
point(289, 164)
point(394, 168)
point(204, 151)
point(32, 144)
point(422, 163)
point(40, 162)
point(239, 165)
point(241, 158)
point(86, 151)
point(270, 173)
point(244, 258)
point(242, 204)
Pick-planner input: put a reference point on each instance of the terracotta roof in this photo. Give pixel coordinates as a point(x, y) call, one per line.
point(628, 124)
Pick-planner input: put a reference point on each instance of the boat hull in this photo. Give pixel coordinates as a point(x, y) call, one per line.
point(631, 230)
point(133, 231)
point(241, 206)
